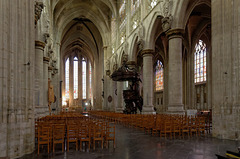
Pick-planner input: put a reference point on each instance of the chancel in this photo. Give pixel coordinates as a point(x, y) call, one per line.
point(119, 78)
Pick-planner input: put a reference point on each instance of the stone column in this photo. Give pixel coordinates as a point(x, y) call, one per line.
point(175, 96)
point(70, 81)
point(147, 82)
point(225, 27)
point(39, 50)
point(119, 108)
point(45, 82)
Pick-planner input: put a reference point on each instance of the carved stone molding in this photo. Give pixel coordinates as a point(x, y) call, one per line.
point(108, 72)
point(141, 31)
point(107, 65)
point(147, 52)
point(38, 10)
point(46, 59)
point(175, 33)
point(46, 37)
point(115, 67)
point(54, 63)
point(166, 23)
point(50, 53)
point(39, 45)
point(124, 58)
point(167, 7)
point(55, 71)
point(50, 68)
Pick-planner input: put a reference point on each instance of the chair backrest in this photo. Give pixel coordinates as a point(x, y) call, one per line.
point(58, 131)
point(110, 131)
point(43, 133)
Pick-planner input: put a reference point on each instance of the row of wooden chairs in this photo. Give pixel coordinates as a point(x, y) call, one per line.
point(162, 124)
point(51, 131)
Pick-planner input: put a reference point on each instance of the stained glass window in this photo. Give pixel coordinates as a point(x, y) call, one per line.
point(159, 76)
point(84, 79)
point(90, 80)
point(67, 79)
point(75, 78)
point(200, 69)
point(122, 13)
point(134, 5)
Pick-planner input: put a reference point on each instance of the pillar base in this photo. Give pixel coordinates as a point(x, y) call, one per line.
point(176, 109)
point(148, 109)
point(119, 110)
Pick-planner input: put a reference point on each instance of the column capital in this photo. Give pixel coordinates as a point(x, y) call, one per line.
point(39, 45)
point(46, 59)
point(175, 33)
point(147, 52)
point(38, 10)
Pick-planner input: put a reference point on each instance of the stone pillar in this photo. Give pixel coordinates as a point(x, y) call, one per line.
point(175, 96)
point(225, 25)
point(119, 108)
point(45, 82)
point(39, 50)
point(147, 82)
point(70, 81)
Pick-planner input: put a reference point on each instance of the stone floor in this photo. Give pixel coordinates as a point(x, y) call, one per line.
point(134, 144)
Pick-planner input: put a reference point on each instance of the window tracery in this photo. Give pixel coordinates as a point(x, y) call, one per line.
point(200, 63)
point(67, 79)
point(90, 81)
point(84, 79)
point(75, 77)
point(159, 76)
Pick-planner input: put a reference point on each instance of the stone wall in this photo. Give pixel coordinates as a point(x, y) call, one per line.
point(17, 57)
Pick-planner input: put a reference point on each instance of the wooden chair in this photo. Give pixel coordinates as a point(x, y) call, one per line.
point(176, 128)
point(157, 127)
point(167, 129)
point(193, 127)
point(43, 137)
point(72, 135)
point(110, 135)
point(185, 128)
point(201, 127)
point(58, 135)
point(84, 135)
point(98, 135)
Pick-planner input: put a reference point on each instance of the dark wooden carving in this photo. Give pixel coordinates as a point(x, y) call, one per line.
point(131, 97)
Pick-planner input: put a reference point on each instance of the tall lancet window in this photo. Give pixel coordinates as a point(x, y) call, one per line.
point(200, 69)
point(84, 78)
point(67, 79)
point(75, 78)
point(90, 80)
point(159, 76)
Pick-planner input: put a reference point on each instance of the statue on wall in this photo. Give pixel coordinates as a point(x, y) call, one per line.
point(51, 96)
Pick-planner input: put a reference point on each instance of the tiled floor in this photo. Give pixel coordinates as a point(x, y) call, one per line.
point(134, 144)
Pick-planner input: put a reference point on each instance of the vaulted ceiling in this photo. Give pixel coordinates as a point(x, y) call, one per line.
point(86, 22)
